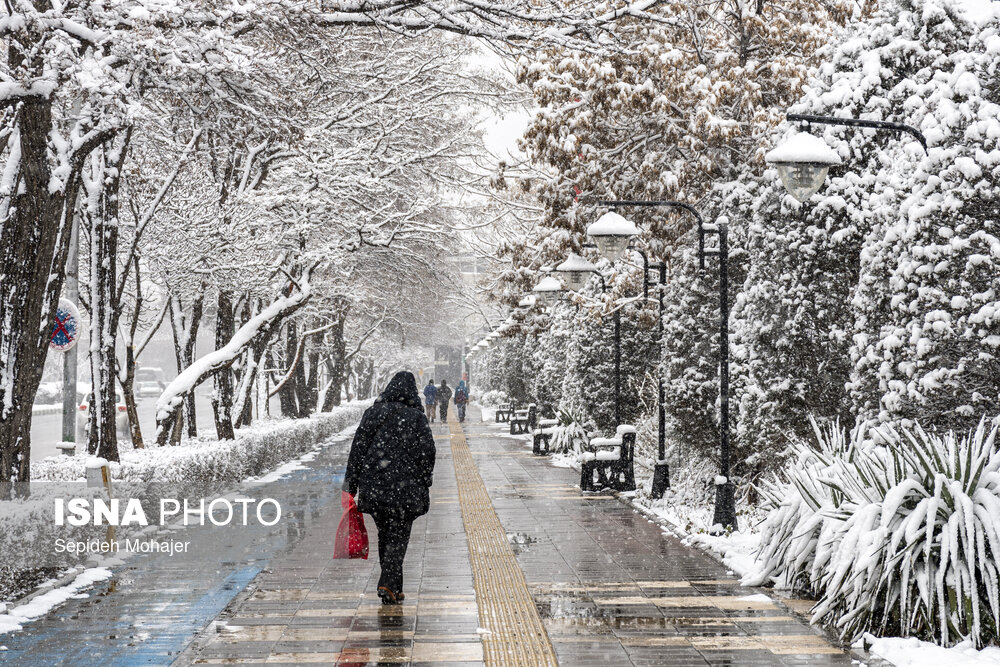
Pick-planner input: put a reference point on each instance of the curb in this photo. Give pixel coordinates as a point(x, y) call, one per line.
point(41, 589)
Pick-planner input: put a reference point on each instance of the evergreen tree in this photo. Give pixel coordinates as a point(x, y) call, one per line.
point(928, 303)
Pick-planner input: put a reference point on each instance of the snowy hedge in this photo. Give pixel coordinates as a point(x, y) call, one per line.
point(198, 468)
point(894, 532)
point(493, 398)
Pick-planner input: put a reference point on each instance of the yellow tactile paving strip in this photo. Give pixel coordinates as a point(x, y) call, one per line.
point(506, 608)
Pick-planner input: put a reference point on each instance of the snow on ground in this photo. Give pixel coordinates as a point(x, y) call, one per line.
point(909, 652)
point(26, 527)
point(42, 604)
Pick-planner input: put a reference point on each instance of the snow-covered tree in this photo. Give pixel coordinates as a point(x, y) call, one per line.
point(926, 346)
point(876, 298)
point(689, 102)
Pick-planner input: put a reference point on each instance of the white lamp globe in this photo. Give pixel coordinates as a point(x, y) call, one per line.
point(803, 161)
point(549, 290)
point(577, 271)
point(611, 234)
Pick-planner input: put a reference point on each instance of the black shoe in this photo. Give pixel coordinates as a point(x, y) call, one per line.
point(388, 597)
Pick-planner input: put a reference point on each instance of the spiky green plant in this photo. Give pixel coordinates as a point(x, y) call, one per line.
point(895, 531)
point(570, 435)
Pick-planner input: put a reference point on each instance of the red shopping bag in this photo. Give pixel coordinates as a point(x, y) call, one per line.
point(352, 536)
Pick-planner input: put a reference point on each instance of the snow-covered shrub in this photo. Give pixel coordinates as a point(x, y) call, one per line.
point(928, 309)
point(570, 435)
point(877, 297)
point(895, 531)
point(794, 501)
point(493, 398)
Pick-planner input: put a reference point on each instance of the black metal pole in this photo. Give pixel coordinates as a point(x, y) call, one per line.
point(618, 366)
point(661, 449)
point(725, 501)
point(809, 119)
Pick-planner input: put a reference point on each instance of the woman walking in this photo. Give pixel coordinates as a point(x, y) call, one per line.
point(391, 468)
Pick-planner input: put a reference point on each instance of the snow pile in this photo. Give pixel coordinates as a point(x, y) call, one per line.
point(612, 224)
point(42, 604)
point(895, 532)
point(910, 652)
point(803, 147)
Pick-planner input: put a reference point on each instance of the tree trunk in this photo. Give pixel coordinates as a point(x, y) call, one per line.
point(222, 398)
point(177, 429)
point(102, 182)
point(185, 329)
point(367, 378)
point(34, 241)
point(286, 394)
point(128, 392)
point(301, 387)
point(338, 366)
point(128, 381)
point(310, 397)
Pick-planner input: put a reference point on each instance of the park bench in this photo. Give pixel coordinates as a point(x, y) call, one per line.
point(67, 448)
point(542, 436)
point(523, 421)
point(612, 460)
point(505, 411)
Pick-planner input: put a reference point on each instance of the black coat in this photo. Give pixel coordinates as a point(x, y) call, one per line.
point(391, 465)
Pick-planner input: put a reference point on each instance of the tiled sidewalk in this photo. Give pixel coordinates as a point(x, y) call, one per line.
point(308, 608)
point(610, 587)
point(613, 589)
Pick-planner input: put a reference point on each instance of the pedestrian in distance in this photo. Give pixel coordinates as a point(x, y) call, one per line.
point(390, 469)
point(461, 399)
point(444, 395)
point(430, 397)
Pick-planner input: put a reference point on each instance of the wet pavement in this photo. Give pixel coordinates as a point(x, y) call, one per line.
point(156, 604)
point(512, 566)
point(613, 589)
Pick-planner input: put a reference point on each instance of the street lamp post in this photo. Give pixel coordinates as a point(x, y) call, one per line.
point(577, 270)
point(725, 504)
point(804, 159)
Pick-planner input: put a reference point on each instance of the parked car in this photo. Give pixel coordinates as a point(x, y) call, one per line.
point(49, 393)
point(149, 381)
point(83, 417)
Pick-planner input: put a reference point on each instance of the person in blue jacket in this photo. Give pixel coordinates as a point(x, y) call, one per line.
point(430, 399)
point(461, 399)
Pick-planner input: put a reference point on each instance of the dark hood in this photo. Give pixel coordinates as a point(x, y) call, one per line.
point(402, 388)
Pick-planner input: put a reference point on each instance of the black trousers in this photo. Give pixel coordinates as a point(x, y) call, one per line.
point(393, 539)
point(444, 411)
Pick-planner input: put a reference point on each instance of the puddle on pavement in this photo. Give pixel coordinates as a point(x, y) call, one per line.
point(520, 542)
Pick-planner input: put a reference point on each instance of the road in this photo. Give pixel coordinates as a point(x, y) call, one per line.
point(46, 430)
